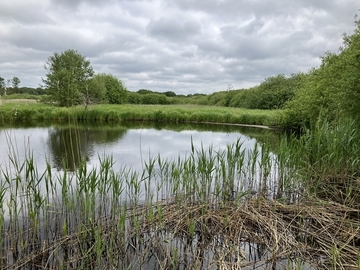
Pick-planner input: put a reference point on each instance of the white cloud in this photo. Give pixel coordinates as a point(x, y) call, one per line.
point(185, 46)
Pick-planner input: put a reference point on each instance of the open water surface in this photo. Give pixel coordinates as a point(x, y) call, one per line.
point(129, 145)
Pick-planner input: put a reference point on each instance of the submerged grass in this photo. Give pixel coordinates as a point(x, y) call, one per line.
point(214, 209)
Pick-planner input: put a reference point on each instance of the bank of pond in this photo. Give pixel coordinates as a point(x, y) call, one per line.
point(262, 199)
point(12, 113)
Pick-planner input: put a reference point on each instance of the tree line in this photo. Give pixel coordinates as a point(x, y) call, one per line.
point(70, 80)
point(330, 91)
point(9, 86)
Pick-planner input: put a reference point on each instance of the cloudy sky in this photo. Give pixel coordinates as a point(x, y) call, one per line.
point(185, 46)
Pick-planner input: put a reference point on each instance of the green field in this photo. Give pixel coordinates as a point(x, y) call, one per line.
point(17, 112)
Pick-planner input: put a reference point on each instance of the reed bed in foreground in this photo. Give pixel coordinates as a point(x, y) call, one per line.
point(256, 234)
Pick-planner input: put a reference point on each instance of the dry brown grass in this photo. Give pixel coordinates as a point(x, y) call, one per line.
point(22, 100)
point(314, 231)
point(254, 234)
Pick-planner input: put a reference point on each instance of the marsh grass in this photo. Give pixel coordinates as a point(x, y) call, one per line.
point(15, 113)
point(328, 160)
point(213, 209)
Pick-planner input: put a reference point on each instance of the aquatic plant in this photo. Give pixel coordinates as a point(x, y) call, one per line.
point(225, 209)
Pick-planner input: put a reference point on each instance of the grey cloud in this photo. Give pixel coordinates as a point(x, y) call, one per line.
point(73, 4)
point(253, 27)
point(32, 16)
point(172, 29)
point(187, 54)
point(49, 40)
point(179, 45)
point(266, 8)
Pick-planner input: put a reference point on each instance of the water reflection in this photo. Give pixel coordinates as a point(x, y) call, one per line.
point(99, 206)
point(130, 144)
point(69, 146)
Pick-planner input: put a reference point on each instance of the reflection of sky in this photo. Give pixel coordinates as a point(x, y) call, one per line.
point(140, 144)
point(130, 149)
point(136, 145)
point(21, 142)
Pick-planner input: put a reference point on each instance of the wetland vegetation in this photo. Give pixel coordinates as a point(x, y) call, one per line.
point(289, 205)
point(293, 204)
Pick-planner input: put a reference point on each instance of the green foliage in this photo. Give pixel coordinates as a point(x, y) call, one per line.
point(218, 98)
point(15, 82)
point(164, 113)
point(199, 99)
point(67, 78)
point(327, 157)
point(106, 88)
point(147, 91)
point(331, 91)
point(97, 89)
point(275, 91)
point(154, 99)
point(115, 90)
point(26, 90)
point(244, 99)
point(144, 91)
point(21, 96)
point(134, 98)
point(271, 94)
point(170, 94)
point(2, 86)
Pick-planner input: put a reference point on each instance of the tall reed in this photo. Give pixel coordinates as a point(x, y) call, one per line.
point(163, 216)
point(327, 159)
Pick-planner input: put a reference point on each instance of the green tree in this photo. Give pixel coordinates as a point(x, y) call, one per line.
point(134, 98)
point(349, 70)
point(145, 92)
point(97, 90)
point(15, 83)
point(2, 86)
point(331, 91)
point(115, 90)
point(108, 88)
point(68, 77)
point(170, 94)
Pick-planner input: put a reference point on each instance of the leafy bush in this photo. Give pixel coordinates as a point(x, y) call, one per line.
point(332, 91)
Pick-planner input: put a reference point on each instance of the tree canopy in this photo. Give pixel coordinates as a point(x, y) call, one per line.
point(331, 91)
point(2, 86)
point(67, 79)
point(107, 88)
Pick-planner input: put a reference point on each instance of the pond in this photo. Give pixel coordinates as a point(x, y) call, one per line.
point(137, 196)
point(130, 144)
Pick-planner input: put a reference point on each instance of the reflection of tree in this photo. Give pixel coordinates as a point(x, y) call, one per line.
point(70, 146)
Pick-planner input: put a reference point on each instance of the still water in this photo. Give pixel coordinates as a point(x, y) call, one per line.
point(130, 145)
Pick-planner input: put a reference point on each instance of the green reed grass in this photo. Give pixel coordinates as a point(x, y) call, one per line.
point(17, 113)
point(96, 217)
point(327, 159)
point(43, 209)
